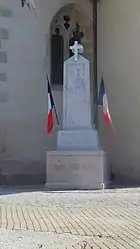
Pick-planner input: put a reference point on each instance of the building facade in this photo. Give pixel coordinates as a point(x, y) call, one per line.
point(33, 44)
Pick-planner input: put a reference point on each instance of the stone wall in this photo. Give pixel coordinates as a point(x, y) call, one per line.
point(24, 61)
point(119, 60)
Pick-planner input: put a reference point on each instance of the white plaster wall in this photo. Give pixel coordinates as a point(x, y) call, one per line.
point(119, 60)
point(28, 61)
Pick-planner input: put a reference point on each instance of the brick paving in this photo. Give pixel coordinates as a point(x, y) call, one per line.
point(110, 219)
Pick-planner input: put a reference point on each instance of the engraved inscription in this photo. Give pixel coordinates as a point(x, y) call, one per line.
point(59, 166)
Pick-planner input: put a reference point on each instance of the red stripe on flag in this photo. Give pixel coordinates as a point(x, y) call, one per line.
point(50, 121)
point(106, 114)
point(107, 119)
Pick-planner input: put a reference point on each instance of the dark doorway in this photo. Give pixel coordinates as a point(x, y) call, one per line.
point(57, 58)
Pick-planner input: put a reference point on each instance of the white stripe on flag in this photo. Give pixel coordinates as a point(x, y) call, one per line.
point(106, 114)
point(105, 104)
point(49, 103)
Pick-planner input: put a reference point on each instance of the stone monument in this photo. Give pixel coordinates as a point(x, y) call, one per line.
point(78, 162)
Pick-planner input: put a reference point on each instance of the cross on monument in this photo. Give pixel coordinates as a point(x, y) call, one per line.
point(76, 49)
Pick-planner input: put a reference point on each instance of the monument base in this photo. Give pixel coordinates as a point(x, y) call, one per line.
point(77, 170)
point(78, 140)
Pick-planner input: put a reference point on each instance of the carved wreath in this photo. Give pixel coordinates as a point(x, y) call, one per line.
point(29, 3)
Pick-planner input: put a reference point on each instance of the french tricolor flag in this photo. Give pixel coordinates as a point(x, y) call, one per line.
point(50, 120)
point(102, 100)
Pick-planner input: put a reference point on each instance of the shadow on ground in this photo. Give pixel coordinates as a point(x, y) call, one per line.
point(10, 190)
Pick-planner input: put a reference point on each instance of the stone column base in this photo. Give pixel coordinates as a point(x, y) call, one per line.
point(77, 170)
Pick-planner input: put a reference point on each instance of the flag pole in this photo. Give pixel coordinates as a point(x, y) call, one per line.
point(95, 90)
point(56, 115)
point(54, 103)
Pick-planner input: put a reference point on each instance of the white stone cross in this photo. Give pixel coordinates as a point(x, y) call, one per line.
point(76, 49)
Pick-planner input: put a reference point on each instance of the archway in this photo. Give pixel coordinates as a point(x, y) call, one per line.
point(62, 31)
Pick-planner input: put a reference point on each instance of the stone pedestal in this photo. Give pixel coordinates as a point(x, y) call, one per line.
point(77, 170)
point(78, 162)
point(77, 140)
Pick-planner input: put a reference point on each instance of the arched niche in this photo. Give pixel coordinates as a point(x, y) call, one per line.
point(62, 35)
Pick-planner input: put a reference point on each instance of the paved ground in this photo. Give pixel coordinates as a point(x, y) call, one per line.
point(36, 219)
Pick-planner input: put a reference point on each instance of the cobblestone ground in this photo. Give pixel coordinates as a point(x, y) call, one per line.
point(106, 220)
